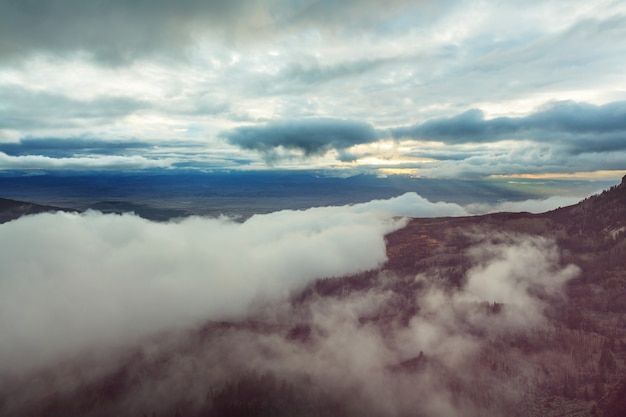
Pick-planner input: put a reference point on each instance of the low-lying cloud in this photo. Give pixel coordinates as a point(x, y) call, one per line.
point(400, 345)
point(355, 348)
point(435, 364)
point(38, 162)
point(72, 281)
point(530, 206)
point(72, 147)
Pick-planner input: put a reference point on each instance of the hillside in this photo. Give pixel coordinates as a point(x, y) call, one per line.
point(504, 314)
point(13, 209)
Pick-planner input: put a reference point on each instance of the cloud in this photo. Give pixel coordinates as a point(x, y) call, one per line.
point(72, 148)
point(414, 205)
point(356, 349)
point(362, 15)
point(67, 148)
point(30, 162)
point(469, 126)
point(27, 109)
point(75, 281)
point(560, 137)
point(518, 271)
point(572, 117)
point(530, 206)
point(308, 136)
point(302, 73)
point(434, 70)
point(119, 32)
point(580, 127)
point(510, 158)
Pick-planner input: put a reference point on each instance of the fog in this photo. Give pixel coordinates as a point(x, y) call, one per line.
point(73, 284)
point(79, 280)
point(531, 205)
point(441, 362)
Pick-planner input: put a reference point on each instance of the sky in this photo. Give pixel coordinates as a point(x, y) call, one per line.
point(437, 89)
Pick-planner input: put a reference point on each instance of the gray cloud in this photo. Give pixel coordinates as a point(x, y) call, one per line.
point(119, 32)
point(578, 126)
point(358, 12)
point(309, 136)
point(26, 109)
point(305, 73)
point(469, 126)
point(559, 138)
point(571, 117)
point(528, 159)
point(89, 147)
point(71, 147)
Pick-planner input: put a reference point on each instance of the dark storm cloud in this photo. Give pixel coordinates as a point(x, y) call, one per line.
point(578, 127)
point(309, 136)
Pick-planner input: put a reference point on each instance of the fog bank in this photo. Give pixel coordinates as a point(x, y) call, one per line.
point(74, 281)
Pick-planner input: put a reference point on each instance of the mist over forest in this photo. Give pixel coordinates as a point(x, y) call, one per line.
point(344, 310)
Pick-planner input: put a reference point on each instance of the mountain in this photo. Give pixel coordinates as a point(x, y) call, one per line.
point(512, 314)
point(13, 209)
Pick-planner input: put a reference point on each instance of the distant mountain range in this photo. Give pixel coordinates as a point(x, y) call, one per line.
point(163, 194)
point(13, 209)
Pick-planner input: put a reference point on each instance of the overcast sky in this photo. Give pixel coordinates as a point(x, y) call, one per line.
point(430, 88)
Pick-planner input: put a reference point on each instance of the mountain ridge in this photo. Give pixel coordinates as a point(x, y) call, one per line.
point(14, 209)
